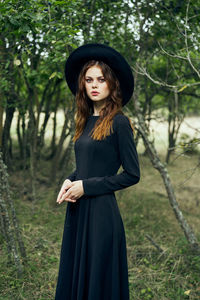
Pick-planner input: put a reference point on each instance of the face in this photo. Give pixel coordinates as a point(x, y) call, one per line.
point(95, 84)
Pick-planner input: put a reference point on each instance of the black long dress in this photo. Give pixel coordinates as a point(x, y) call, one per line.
point(93, 261)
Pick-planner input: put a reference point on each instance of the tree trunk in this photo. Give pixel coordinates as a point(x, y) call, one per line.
point(175, 120)
point(67, 155)
point(157, 164)
point(32, 146)
point(6, 131)
point(1, 122)
point(11, 233)
point(53, 140)
point(19, 137)
point(55, 161)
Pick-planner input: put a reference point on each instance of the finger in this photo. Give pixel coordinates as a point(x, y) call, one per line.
point(70, 200)
point(68, 194)
point(65, 196)
point(61, 193)
point(67, 199)
point(63, 189)
point(59, 196)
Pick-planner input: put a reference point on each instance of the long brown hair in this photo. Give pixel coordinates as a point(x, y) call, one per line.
point(84, 105)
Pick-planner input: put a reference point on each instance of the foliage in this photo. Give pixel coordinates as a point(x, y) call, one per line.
point(37, 37)
point(189, 145)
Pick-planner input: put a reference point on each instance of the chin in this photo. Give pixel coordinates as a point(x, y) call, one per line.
point(95, 99)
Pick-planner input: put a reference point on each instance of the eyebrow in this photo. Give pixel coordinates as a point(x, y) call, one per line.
point(97, 77)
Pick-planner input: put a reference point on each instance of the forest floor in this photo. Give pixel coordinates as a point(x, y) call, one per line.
point(173, 274)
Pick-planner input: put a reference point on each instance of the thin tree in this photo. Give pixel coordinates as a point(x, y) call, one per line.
point(9, 224)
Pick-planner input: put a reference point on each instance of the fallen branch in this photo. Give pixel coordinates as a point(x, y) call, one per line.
point(154, 243)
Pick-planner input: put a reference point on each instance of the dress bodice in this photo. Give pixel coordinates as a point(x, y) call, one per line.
point(97, 162)
point(96, 158)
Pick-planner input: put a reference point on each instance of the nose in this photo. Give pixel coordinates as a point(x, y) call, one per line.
point(95, 83)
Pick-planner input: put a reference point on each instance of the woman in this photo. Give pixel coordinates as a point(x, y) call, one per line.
point(93, 262)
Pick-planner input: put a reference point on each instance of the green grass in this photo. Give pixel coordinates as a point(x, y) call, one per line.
point(172, 275)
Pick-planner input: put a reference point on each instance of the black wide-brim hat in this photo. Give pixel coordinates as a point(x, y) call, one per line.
point(108, 55)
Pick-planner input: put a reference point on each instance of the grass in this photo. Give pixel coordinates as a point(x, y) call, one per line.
point(172, 275)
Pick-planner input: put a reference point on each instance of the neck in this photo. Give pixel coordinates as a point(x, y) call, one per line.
point(97, 106)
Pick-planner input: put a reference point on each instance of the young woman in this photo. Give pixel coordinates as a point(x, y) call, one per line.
point(93, 262)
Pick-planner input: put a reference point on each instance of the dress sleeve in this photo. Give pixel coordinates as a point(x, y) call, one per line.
point(129, 161)
point(72, 176)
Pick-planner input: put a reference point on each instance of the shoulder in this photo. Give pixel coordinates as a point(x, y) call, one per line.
point(121, 122)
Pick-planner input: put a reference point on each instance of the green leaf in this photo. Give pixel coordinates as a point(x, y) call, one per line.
point(56, 74)
point(143, 291)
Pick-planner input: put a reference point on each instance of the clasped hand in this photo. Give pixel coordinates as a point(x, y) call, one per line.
point(70, 191)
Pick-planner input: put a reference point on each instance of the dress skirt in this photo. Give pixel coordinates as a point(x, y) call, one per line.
point(93, 262)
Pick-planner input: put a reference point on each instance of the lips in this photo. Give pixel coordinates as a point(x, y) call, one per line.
point(95, 93)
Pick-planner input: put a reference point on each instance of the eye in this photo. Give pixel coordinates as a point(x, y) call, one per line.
point(101, 79)
point(88, 80)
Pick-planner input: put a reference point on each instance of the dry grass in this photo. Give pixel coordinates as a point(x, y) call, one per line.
point(172, 275)
point(175, 273)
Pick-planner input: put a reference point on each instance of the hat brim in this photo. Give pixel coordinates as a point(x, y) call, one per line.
point(104, 53)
